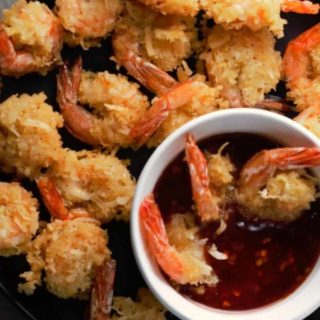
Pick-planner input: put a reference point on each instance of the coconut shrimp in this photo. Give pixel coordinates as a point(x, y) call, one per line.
point(86, 23)
point(242, 75)
point(256, 15)
point(209, 180)
point(301, 68)
point(87, 184)
point(18, 218)
point(148, 44)
point(68, 252)
point(117, 103)
point(273, 186)
point(180, 104)
point(31, 38)
point(176, 246)
point(29, 137)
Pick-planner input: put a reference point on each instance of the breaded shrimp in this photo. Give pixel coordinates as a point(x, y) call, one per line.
point(117, 103)
point(209, 180)
point(147, 43)
point(271, 187)
point(256, 15)
point(245, 63)
point(180, 104)
point(29, 139)
point(176, 246)
point(301, 68)
point(87, 184)
point(68, 252)
point(31, 39)
point(86, 23)
point(18, 218)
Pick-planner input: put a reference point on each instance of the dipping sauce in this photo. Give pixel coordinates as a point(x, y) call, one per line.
point(266, 260)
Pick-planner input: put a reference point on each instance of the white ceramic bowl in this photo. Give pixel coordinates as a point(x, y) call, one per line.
point(300, 303)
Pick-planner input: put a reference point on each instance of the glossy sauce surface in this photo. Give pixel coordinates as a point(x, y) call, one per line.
point(266, 260)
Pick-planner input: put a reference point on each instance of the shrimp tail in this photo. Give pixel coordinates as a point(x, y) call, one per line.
point(274, 103)
point(102, 291)
point(297, 6)
point(157, 240)
point(207, 205)
point(51, 198)
point(78, 121)
point(176, 97)
point(11, 62)
point(264, 164)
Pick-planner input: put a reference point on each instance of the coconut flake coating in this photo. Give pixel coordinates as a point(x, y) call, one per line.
point(68, 253)
point(243, 62)
point(18, 218)
point(95, 183)
point(29, 139)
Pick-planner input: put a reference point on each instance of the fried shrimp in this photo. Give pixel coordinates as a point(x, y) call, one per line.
point(88, 184)
point(31, 39)
point(18, 218)
point(29, 137)
point(182, 103)
point(243, 75)
point(68, 252)
point(301, 68)
point(147, 43)
point(86, 23)
point(117, 105)
point(176, 246)
point(256, 15)
point(209, 180)
point(271, 187)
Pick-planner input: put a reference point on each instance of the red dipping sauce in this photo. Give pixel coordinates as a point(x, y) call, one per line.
point(266, 260)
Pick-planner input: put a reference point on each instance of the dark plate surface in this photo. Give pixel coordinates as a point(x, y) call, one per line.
point(43, 305)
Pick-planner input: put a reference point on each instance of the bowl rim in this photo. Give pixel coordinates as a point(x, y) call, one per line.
point(191, 309)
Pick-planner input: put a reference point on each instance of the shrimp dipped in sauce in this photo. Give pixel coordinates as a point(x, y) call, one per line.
point(86, 23)
point(210, 180)
point(87, 184)
point(176, 245)
point(242, 75)
point(31, 38)
point(149, 44)
point(18, 218)
point(117, 106)
point(272, 184)
point(29, 138)
point(70, 253)
point(256, 15)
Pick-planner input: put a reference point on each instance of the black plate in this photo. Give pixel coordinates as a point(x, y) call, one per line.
point(43, 305)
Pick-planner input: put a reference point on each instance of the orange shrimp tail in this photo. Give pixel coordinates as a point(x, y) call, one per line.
point(264, 164)
point(295, 158)
point(7, 51)
point(178, 96)
point(12, 62)
point(51, 198)
point(208, 209)
point(297, 6)
point(157, 240)
point(295, 60)
point(102, 291)
point(78, 120)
